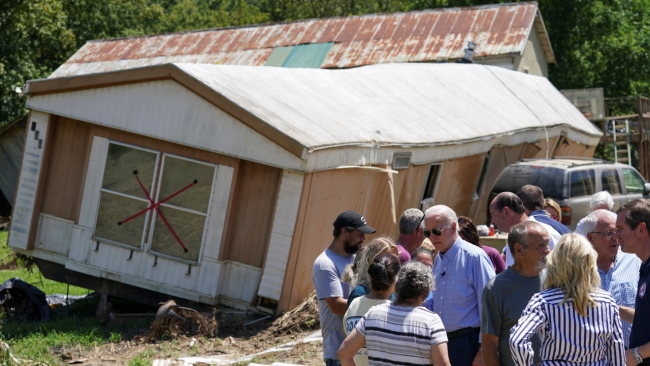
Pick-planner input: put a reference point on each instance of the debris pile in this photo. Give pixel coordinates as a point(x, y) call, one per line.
point(302, 317)
point(175, 320)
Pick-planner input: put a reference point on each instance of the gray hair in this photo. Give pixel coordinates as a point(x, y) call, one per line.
point(409, 221)
point(519, 234)
point(589, 223)
point(446, 212)
point(414, 280)
point(602, 200)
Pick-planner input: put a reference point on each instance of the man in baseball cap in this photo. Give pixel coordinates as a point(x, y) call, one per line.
point(350, 229)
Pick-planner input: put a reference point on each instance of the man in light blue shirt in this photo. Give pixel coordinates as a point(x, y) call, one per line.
point(619, 272)
point(460, 273)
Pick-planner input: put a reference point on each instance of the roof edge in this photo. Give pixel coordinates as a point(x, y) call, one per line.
point(166, 72)
point(544, 39)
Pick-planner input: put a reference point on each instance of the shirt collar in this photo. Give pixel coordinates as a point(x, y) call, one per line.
point(450, 254)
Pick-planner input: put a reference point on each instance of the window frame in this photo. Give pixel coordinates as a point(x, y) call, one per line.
point(634, 171)
point(147, 220)
point(152, 221)
point(436, 181)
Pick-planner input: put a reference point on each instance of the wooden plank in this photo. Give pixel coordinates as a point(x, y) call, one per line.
point(287, 300)
point(217, 215)
point(284, 222)
point(64, 180)
point(255, 203)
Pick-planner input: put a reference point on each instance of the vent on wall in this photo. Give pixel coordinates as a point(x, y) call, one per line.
point(401, 161)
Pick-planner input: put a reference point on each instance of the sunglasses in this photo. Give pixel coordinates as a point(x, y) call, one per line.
point(436, 232)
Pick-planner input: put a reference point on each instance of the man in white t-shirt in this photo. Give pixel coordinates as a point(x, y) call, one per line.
point(507, 210)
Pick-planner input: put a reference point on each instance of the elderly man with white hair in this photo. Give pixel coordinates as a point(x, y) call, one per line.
point(461, 271)
point(601, 201)
point(619, 272)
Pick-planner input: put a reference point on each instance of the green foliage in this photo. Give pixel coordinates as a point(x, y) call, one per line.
point(143, 359)
point(34, 40)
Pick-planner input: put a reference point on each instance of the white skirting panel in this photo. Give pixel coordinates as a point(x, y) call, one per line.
point(21, 220)
point(284, 222)
point(54, 234)
point(239, 281)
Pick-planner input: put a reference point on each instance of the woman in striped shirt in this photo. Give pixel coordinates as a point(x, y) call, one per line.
point(402, 332)
point(577, 322)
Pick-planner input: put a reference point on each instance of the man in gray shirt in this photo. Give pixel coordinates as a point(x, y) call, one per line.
point(349, 233)
point(507, 294)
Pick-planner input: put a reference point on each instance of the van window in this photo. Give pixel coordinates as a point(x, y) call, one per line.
point(633, 181)
point(583, 183)
point(610, 181)
point(549, 179)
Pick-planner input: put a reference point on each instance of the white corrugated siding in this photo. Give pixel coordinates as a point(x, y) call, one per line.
point(167, 111)
point(30, 171)
point(284, 223)
point(54, 234)
point(240, 281)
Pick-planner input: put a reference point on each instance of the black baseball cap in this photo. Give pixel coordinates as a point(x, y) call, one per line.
point(350, 218)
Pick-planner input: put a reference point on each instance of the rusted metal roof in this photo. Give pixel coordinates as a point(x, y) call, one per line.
point(422, 36)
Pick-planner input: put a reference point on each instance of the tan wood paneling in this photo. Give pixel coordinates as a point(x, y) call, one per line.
point(252, 217)
point(328, 193)
point(457, 183)
point(551, 143)
point(569, 147)
point(65, 178)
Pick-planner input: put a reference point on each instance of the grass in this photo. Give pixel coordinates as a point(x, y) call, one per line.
point(34, 277)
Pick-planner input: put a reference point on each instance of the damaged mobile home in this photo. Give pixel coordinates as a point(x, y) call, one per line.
point(219, 184)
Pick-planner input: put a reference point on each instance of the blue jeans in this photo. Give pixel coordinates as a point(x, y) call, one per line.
point(332, 362)
point(463, 349)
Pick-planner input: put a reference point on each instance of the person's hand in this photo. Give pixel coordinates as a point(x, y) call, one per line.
point(478, 359)
point(629, 358)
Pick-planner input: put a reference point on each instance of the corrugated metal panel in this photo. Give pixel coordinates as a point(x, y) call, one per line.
point(278, 56)
point(308, 56)
point(171, 112)
point(21, 220)
point(427, 35)
point(284, 223)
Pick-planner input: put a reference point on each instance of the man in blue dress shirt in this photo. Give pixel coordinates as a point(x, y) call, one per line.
point(619, 272)
point(460, 273)
point(533, 200)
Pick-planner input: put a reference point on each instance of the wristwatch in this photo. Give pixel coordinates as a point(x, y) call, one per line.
point(637, 356)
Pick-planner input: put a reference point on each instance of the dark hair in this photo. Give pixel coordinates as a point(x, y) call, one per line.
point(510, 200)
point(414, 280)
point(638, 211)
point(467, 229)
point(421, 250)
point(337, 230)
point(383, 271)
point(532, 197)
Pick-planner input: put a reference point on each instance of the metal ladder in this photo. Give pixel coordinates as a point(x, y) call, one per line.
point(623, 155)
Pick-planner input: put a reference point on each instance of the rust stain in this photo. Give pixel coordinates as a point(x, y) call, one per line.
point(429, 35)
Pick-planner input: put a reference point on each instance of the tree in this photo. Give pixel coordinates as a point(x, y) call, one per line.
point(34, 41)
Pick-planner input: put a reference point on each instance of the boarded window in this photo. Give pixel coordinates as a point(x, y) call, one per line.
point(182, 194)
point(186, 213)
point(122, 196)
point(432, 181)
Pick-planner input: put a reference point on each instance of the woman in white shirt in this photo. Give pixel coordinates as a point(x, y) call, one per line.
point(578, 323)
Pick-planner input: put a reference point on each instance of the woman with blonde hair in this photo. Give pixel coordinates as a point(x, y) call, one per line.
point(360, 281)
point(578, 323)
point(553, 209)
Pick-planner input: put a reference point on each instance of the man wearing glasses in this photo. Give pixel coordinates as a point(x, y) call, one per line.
point(350, 229)
point(619, 272)
point(460, 273)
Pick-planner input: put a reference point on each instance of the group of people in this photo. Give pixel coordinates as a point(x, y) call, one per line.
point(438, 296)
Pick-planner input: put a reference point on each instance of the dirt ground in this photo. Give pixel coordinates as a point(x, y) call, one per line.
point(235, 338)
